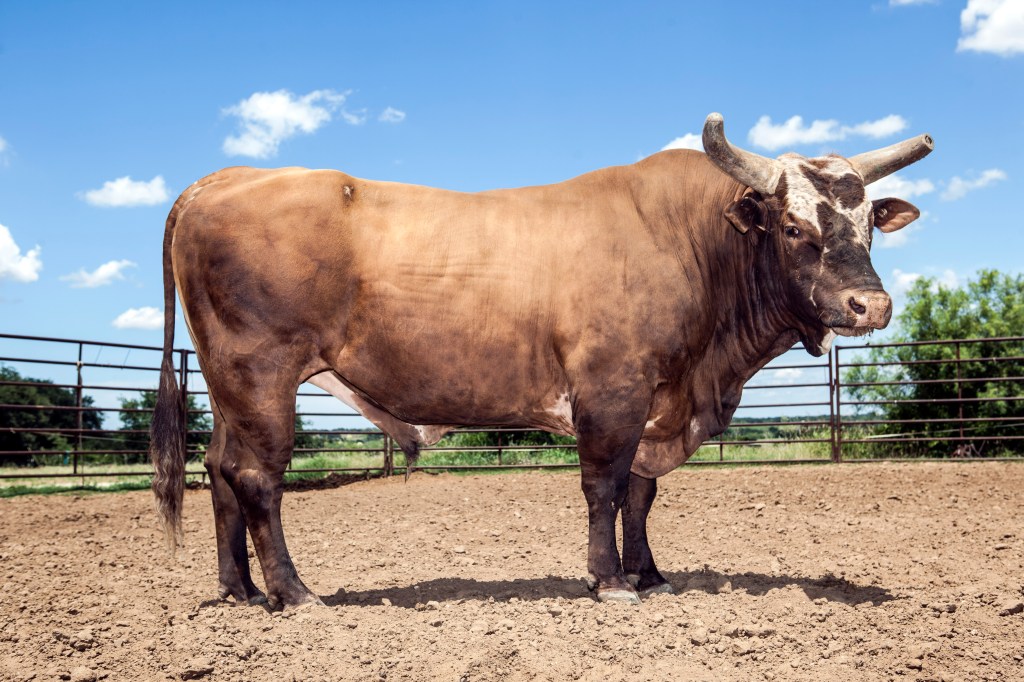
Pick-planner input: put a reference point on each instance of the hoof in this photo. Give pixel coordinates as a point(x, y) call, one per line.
point(239, 596)
point(294, 602)
point(633, 579)
point(618, 596)
point(661, 588)
point(591, 582)
point(310, 604)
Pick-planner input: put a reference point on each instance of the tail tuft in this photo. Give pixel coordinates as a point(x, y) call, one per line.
point(167, 451)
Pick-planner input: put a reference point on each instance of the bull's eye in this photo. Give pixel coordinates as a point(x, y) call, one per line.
point(792, 231)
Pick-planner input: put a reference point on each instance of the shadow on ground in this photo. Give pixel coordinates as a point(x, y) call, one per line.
point(712, 582)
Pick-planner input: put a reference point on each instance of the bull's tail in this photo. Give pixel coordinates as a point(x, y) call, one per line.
point(167, 432)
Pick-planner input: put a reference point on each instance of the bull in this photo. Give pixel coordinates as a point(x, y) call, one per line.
point(626, 307)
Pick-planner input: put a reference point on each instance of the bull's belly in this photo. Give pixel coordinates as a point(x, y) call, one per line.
point(427, 415)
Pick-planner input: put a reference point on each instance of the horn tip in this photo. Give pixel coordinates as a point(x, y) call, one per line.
point(928, 142)
point(714, 117)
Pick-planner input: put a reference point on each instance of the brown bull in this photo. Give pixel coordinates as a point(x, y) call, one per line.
point(627, 307)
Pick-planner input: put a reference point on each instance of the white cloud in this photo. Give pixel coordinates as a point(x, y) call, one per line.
point(14, 265)
point(899, 186)
point(3, 150)
point(127, 192)
point(687, 141)
point(146, 317)
point(101, 276)
point(786, 375)
point(354, 118)
point(904, 3)
point(266, 119)
point(794, 132)
point(391, 115)
point(958, 187)
point(995, 26)
point(904, 280)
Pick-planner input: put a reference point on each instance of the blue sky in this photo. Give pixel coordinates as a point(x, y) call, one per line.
point(108, 110)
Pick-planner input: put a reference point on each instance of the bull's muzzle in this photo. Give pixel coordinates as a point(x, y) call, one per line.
point(865, 309)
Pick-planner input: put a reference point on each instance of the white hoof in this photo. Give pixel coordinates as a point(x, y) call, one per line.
point(618, 596)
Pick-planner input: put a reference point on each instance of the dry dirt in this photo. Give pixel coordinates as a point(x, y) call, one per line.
point(851, 572)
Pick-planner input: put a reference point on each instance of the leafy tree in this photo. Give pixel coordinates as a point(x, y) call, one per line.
point(43, 393)
point(140, 421)
point(198, 423)
point(990, 306)
point(307, 440)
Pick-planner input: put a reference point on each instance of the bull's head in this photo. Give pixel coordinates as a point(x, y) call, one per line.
point(819, 220)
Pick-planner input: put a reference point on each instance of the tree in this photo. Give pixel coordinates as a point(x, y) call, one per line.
point(43, 393)
point(198, 422)
point(988, 307)
point(140, 421)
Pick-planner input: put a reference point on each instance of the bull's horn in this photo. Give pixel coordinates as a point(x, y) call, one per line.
point(887, 160)
point(754, 171)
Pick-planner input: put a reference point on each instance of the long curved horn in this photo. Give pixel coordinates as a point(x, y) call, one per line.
point(753, 170)
point(887, 160)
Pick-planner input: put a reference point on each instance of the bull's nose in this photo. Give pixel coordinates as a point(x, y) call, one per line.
point(869, 308)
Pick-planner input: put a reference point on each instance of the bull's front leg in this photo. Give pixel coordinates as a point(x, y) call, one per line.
point(637, 560)
point(607, 444)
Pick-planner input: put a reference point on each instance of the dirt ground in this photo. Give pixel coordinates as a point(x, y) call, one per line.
point(851, 572)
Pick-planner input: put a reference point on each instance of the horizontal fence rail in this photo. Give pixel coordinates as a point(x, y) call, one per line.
point(76, 408)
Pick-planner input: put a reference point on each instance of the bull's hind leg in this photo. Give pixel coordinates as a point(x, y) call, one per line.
point(260, 435)
point(232, 553)
point(637, 560)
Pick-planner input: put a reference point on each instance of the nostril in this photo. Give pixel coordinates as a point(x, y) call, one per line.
point(856, 307)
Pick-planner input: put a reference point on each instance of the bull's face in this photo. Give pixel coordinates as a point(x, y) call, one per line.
point(820, 223)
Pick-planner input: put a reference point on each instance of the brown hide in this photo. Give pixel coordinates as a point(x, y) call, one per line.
point(484, 309)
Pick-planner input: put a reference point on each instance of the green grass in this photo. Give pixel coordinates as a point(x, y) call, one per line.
point(304, 465)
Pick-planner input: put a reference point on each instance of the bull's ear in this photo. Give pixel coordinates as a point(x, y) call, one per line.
point(747, 213)
point(892, 214)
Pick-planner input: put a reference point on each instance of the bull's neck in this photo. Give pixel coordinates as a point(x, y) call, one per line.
point(741, 324)
point(751, 325)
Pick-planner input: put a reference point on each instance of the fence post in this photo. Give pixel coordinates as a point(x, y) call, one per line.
point(500, 440)
point(79, 422)
point(959, 397)
point(389, 456)
point(837, 420)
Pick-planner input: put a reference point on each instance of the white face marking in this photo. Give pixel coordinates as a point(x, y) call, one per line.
point(802, 198)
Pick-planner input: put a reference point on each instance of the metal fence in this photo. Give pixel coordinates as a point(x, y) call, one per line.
point(75, 408)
